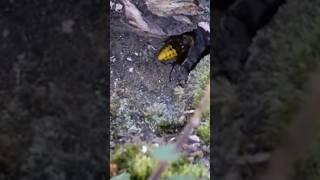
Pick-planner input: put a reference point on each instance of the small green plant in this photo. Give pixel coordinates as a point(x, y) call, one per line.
point(139, 165)
point(204, 131)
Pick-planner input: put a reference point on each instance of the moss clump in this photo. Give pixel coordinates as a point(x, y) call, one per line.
point(114, 106)
point(130, 158)
point(161, 118)
point(199, 78)
point(122, 156)
point(203, 131)
point(142, 166)
point(189, 170)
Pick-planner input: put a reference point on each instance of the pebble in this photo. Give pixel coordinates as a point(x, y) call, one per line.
point(194, 138)
point(113, 59)
point(136, 53)
point(205, 149)
point(151, 47)
point(133, 129)
point(129, 58)
point(158, 140)
point(197, 154)
point(111, 4)
point(118, 7)
point(130, 69)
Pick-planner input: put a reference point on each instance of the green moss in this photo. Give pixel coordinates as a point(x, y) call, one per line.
point(123, 155)
point(191, 170)
point(114, 106)
point(158, 119)
point(203, 131)
point(140, 165)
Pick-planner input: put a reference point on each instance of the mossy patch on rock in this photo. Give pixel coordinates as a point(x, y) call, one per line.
point(198, 79)
point(158, 118)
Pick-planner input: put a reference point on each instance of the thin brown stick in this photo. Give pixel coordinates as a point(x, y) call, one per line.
point(183, 137)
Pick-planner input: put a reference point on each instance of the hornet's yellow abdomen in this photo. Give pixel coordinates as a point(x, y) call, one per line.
point(167, 53)
point(176, 48)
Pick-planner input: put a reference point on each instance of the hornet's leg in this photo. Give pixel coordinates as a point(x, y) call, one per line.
point(173, 65)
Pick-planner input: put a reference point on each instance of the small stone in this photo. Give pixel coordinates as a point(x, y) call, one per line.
point(113, 59)
point(111, 4)
point(151, 47)
point(194, 138)
point(189, 112)
point(158, 140)
point(129, 58)
point(205, 148)
point(130, 69)
point(136, 53)
point(197, 154)
point(133, 129)
point(118, 7)
point(112, 144)
point(205, 26)
point(196, 145)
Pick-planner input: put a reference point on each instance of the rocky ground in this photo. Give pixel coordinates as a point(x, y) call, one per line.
point(146, 106)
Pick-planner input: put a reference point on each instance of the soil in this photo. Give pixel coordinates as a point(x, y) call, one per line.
point(136, 75)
